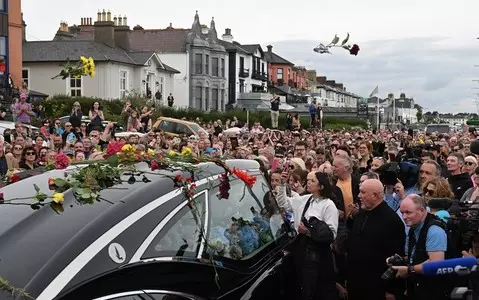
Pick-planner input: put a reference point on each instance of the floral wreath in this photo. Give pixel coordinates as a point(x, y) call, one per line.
point(87, 182)
point(322, 49)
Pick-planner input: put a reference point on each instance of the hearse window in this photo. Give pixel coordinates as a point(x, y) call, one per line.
point(181, 235)
point(241, 226)
point(167, 126)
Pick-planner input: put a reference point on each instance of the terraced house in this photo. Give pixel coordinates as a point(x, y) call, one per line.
point(120, 70)
point(198, 56)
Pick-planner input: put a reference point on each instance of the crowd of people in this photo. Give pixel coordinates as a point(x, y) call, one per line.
point(351, 212)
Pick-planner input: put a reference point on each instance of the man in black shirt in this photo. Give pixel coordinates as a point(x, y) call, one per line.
point(377, 234)
point(274, 111)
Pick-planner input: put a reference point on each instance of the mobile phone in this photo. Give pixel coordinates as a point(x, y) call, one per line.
point(286, 166)
point(392, 156)
point(234, 142)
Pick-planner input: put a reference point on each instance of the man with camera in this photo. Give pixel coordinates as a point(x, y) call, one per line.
point(426, 241)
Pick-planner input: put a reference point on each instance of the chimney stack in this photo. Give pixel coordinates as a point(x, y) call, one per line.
point(115, 21)
point(270, 48)
point(122, 31)
point(321, 79)
point(108, 16)
point(171, 26)
point(227, 37)
point(98, 16)
point(104, 29)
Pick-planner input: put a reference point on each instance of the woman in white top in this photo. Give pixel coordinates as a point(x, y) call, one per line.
point(316, 220)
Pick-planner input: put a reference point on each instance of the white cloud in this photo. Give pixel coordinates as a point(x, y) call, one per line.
point(437, 72)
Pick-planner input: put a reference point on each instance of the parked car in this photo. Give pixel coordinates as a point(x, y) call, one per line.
point(178, 127)
point(143, 242)
point(11, 125)
point(86, 120)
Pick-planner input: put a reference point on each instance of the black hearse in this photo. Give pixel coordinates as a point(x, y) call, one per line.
point(144, 243)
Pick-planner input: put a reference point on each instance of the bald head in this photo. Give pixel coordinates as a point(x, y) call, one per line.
point(374, 185)
point(371, 193)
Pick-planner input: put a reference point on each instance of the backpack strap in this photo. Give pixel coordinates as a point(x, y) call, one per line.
point(420, 254)
point(308, 203)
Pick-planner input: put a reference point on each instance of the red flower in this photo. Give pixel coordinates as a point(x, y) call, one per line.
point(61, 161)
point(249, 180)
point(224, 186)
point(154, 166)
point(179, 178)
point(189, 179)
point(14, 178)
point(1, 196)
point(51, 181)
point(113, 148)
point(354, 50)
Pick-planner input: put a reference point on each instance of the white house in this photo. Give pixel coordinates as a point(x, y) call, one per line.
point(250, 78)
point(457, 119)
point(333, 96)
point(403, 108)
point(198, 55)
point(119, 71)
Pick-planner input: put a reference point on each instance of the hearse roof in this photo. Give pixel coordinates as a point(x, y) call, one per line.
point(36, 245)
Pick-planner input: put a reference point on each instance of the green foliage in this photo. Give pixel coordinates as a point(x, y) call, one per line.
point(61, 105)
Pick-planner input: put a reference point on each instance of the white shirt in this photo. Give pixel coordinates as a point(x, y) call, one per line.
point(323, 209)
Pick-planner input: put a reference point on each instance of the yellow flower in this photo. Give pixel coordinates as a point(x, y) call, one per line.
point(150, 151)
point(172, 153)
point(83, 60)
point(58, 198)
point(128, 148)
point(92, 74)
point(186, 151)
point(91, 62)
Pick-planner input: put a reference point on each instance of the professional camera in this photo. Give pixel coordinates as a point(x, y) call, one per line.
point(395, 260)
point(465, 222)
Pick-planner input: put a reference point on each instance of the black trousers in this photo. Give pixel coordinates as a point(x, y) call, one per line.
point(315, 270)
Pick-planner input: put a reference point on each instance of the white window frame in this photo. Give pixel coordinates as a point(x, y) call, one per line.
point(28, 78)
point(69, 88)
point(127, 74)
point(161, 85)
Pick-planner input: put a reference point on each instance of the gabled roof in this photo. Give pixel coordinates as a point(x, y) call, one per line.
point(233, 47)
point(252, 48)
point(159, 40)
point(141, 57)
point(274, 58)
point(61, 51)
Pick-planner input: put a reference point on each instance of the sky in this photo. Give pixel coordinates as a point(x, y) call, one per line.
point(426, 49)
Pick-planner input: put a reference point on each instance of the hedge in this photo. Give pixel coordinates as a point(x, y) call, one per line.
point(58, 106)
